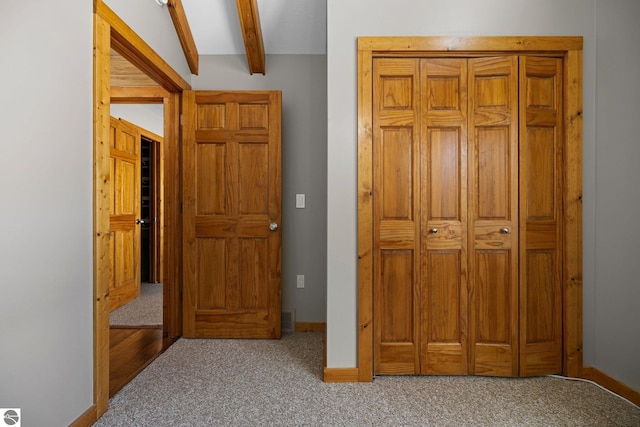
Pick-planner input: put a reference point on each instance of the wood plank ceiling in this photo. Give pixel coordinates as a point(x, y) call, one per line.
point(125, 74)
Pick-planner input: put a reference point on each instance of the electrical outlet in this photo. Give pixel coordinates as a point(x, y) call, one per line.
point(300, 281)
point(300, 201)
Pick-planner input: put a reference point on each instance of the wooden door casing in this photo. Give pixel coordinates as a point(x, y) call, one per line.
point(124, 233)
point(568, 241)
point(232, 193)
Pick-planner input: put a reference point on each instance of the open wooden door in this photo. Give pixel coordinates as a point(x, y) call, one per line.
point(232, 214)
point(124, 221)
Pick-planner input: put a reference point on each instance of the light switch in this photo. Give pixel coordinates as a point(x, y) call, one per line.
point(300, 202)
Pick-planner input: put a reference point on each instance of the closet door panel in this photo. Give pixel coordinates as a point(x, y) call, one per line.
point(396, 146)
point(395, 301)
point(493, 184)
point(540, 216)
point(493, 215)
point(443, 189)
point(396, 185)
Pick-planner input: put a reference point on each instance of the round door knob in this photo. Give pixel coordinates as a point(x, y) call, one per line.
point(273, 226)
point(434, 230)
point(505, 231)
point(139, 221)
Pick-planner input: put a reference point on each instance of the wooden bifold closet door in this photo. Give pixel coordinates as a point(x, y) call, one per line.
point(466, 215)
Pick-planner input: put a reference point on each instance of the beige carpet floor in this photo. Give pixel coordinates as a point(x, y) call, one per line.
point(279, 383)
point(142, 311)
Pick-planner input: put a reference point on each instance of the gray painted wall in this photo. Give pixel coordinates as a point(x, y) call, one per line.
point(302, 79)
point(610, 175)
point(46, 179)
point(616, 333)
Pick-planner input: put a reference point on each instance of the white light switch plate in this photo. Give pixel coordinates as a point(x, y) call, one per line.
point(300, 202)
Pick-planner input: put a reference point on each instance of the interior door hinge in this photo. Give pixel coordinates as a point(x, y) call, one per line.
point(181, 119)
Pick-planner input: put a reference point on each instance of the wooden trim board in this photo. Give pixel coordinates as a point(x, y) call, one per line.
point(138, 95)
point(88, 418)
point(311, 327)
point(611, 384)
point(101, 191)
point(341, 375)
point(170, 211)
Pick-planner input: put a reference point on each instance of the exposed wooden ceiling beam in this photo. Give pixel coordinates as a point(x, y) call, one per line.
point(252, 34)
point(179, 19)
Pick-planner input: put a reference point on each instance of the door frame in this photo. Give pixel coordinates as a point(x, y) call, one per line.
point(570, 49)
point(110, 32)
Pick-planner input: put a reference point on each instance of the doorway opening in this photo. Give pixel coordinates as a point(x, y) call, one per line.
point(135, 324)
point(149, 211)
point(111, 33)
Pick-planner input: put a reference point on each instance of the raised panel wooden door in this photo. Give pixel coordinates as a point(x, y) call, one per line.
point(396, 220)
point(467, 198)
point(493, 215)
point(124, 241)
point(232, 214)
point(540, 216)
point(443, 204)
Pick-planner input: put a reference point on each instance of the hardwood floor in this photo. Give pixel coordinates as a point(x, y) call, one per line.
point(131, 349)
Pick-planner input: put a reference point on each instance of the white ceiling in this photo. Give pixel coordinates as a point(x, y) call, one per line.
point(288, 26)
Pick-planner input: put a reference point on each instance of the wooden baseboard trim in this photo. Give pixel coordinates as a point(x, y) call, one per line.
point(341, 375)
point(87, 419)
point(135, 327)
point(310, 326)
point(611, 384)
